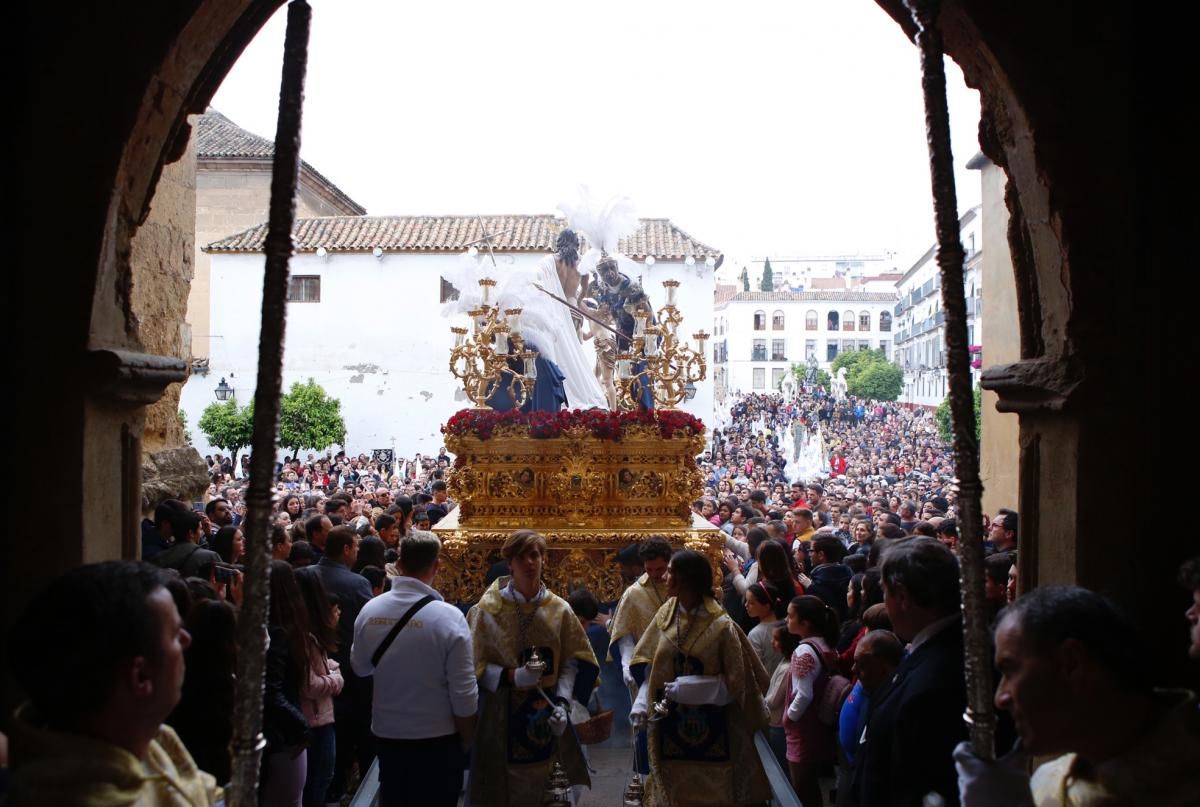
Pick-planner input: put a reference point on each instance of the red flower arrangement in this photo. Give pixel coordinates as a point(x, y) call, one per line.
point(603, 424)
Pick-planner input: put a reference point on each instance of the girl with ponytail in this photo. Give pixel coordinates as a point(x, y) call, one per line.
point(810, 743)
point(768, 606)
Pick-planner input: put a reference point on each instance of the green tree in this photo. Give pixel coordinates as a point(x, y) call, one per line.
point(869, 374)
point(768, 277)
point(309, 418)
point(855, 362)
point(745, 279)
point(942, 416)
point(879, 381)
point(227, 426)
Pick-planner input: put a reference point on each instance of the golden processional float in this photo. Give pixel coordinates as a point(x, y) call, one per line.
point(591, 481)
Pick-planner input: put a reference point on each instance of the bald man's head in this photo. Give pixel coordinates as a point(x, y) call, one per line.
point(876, 658)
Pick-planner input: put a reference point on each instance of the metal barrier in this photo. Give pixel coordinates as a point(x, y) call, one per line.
point(782, 794)
point(367, 794)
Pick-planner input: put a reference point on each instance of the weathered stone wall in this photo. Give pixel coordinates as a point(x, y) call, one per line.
point(227, 202)
point(999, 456)
point(161, 262)
point(161, 259)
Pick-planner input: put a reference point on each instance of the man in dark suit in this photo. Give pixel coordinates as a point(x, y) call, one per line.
point(352, 708)
point(905, 751)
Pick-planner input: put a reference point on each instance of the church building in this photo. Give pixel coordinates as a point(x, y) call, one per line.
point(365, 313)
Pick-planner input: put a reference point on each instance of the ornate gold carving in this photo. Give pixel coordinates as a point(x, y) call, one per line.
point(659, 358)
point(575, 480)
point(494, 350)
point(576, 558)
point(463, 569)
point(646, 485)
point(503, 485)
point(589, 497)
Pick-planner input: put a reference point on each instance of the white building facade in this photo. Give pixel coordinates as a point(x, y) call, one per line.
point(365, 314)
point(921, 332)
point(758, 336)
point(799, 273)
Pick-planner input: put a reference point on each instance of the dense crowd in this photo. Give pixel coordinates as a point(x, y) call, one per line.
point(834, 630)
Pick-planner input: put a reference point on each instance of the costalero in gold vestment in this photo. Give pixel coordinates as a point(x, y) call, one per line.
point(704, 755)
point(515, 749)
point(637, 608)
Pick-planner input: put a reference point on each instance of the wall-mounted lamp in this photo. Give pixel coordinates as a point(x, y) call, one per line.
point(322, 252)
point(649, 260)
point(378, 252)
point(224, 392)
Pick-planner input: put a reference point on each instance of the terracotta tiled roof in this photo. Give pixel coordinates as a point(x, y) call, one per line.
point(831, 296)
point(828, 283)
point(219, 138)
point(723, 292)
point(520, 233)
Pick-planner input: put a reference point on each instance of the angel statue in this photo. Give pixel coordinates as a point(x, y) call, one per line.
point(839, 385)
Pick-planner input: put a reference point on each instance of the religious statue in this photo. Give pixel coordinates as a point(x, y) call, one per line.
point(561, 340)
point(574, 283)
point(606, 361)
point(810, 373)
point(562, 373)
point(839, 385)
point(620, 297)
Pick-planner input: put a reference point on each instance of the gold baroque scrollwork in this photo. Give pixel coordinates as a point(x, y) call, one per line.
point(572, 570)
point(464, 566)
point(503, 485)
point(648, 485)
point(589, 497)
point(575, 557)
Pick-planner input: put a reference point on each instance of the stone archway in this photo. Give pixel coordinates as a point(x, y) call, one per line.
point(106, 109)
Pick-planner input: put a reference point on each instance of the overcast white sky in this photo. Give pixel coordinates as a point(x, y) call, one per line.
point(774, 127)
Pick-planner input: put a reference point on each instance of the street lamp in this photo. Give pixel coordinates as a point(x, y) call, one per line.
point(224, 392)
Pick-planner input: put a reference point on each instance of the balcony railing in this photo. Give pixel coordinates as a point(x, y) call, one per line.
point(758, 355)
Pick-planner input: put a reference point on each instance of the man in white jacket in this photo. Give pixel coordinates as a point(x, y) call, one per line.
point(426, 695)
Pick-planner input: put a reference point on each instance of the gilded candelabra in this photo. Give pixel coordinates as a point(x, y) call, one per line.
point(483, 359)
point(669, 364)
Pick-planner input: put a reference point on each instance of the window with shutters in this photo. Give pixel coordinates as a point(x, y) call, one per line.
point(304, 289)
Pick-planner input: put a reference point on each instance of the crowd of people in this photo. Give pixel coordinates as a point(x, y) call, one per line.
point(833, 630)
